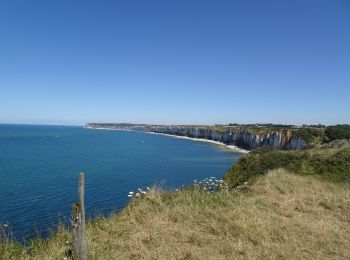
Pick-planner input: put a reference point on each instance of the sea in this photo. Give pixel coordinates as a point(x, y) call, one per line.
point(40, 165)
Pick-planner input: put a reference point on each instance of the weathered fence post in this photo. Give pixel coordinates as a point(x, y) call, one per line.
point(78, 223)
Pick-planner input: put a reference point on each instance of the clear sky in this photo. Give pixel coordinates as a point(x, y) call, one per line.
point(172, 62)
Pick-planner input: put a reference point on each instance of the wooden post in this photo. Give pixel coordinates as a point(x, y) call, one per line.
point(78, 223)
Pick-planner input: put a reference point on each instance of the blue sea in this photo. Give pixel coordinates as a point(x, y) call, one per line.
point(40, 165)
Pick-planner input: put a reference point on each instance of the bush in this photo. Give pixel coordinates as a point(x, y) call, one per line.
point(310, 135)
point(329, 163)
point(337, 132)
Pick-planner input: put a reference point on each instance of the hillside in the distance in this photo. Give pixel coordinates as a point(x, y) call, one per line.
point(252, 136)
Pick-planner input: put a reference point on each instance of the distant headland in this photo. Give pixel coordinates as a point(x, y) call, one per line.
point(245, 137)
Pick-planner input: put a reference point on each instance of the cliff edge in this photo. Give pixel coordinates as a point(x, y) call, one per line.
point(246, 137)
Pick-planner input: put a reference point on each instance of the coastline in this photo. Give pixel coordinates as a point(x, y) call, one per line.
point(234, 148)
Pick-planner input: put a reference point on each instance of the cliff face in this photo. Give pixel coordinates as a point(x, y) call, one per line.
point(279, 140)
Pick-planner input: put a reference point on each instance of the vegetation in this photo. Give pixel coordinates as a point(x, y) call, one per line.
point(312, 135)
point(337, 132)
point(332, 164)
point(279, 215)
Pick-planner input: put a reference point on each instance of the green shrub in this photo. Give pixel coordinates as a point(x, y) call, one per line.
point(337, 132)
point(329, 163)
point(310, 135)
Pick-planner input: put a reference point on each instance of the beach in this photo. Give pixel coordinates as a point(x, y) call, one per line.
point(231, 147)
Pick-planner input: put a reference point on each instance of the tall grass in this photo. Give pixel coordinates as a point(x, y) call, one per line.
point(278, 216)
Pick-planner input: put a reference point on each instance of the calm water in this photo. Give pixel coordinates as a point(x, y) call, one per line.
point(39, 168)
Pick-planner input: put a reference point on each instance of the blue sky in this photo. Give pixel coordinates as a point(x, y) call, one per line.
point(172, 62)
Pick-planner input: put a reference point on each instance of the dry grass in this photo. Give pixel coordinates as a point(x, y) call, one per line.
point(280, 216)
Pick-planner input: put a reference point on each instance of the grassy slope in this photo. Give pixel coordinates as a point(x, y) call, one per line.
point(279, 215)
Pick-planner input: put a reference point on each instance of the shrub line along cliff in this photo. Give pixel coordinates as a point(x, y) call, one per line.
point(243, 137)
